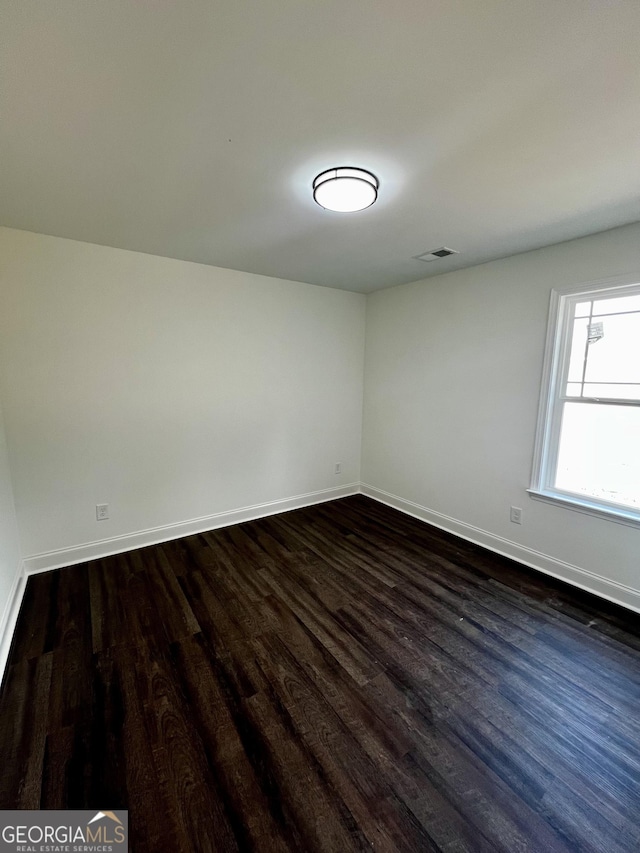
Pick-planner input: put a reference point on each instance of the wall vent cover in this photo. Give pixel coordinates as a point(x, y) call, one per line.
point(436, 254)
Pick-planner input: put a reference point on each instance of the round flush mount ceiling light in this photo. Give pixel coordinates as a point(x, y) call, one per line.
point(345, 189)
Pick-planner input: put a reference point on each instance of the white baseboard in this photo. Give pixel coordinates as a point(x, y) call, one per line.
point(604, 587)
point(128, 542)
point(10, 616)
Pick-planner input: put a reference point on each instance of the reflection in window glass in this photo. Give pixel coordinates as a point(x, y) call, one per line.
point(616, 356)
point(578, 350)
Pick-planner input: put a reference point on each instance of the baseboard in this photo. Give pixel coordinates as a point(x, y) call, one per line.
point(130, 541)
point(10, 616)
point(604, 587)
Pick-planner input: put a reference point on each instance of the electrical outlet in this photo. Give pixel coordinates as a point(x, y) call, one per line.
point(338, 468)
point(516, 515)
point(102, 512)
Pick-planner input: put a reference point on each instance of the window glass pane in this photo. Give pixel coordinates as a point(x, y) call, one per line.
point(617, 392)
point(598, 453)
point(616, 356)
point(614, 306)
point(574, 389)
point(583, 309)
point(578, 343)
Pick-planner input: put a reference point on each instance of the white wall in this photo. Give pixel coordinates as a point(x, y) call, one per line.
point(169, 390)
point(9, 543)
point(175, 391)
point(452, 382)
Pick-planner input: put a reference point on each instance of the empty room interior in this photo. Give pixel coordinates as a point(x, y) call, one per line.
point(320, 424)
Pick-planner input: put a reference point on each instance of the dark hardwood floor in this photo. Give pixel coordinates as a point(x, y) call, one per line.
point(336, 678)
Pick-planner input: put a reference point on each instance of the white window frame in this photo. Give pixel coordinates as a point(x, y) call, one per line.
point(556, 359)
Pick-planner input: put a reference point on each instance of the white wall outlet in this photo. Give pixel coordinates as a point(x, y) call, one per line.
point(102, 512)
point(516, 515)
point(338, 468)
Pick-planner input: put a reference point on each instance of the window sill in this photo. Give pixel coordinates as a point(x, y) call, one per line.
point(616, 514)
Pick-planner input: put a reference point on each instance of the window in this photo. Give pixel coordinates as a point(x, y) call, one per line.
point(588, 442)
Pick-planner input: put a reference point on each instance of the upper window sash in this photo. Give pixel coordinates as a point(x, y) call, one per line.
point(601, 357)
point(574, 379)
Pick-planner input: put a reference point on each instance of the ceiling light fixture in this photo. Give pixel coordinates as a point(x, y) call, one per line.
point(345, 189)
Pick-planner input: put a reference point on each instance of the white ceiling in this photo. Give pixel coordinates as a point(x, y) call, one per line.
point(193, 128)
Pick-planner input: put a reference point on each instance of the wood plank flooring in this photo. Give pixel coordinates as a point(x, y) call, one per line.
point(338, 678)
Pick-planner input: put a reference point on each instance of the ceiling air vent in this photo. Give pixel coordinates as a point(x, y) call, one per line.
point(436, 254)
